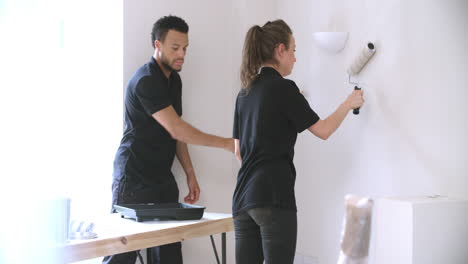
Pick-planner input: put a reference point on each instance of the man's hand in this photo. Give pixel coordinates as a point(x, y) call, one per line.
point(229, 144)
point(237, 150)
point(194, 190)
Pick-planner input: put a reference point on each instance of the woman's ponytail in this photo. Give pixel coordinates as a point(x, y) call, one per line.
point(259, 47)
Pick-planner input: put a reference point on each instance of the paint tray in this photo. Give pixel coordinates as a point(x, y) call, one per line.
point(162, 211)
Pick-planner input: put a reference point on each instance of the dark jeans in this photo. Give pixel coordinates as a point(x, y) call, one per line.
point(128, 190)
point(265, 234)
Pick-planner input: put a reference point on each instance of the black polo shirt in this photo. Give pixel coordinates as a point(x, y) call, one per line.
point(266, 122)
point(147, 150)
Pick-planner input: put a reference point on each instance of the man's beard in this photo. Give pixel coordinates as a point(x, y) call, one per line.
point(166, 65)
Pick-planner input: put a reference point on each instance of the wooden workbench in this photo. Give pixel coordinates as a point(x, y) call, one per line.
point(119, 235)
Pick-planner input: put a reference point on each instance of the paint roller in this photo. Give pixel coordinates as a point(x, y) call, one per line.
point(359, 63)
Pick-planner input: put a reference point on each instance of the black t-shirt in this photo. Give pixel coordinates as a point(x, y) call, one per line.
point(147, 150)
point(266, 122)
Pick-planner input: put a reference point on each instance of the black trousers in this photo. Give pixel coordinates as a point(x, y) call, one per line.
point(265, 234)
point(128, 190)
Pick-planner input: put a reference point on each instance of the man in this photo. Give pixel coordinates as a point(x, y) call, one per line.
point(154, 133)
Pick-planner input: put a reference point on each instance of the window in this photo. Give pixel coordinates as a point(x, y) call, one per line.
point(61, 111)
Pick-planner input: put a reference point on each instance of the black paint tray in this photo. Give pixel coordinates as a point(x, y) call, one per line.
point(150, 211)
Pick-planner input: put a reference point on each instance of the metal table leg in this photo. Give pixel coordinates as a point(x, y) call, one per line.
point(223, 248)
point(214, 248)
point(223, 245)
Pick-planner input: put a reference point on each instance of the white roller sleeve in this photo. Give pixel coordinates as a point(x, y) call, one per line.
point(361, 60)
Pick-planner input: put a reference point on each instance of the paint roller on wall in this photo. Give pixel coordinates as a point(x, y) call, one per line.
point(358, 64)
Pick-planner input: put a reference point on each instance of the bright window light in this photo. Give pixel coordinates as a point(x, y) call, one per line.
point(61, 94)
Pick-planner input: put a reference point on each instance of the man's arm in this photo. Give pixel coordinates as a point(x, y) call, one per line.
point(184, 159)
point(183, 131)
point(237, 150)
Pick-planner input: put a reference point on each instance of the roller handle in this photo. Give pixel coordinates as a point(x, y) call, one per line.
point(356, 111)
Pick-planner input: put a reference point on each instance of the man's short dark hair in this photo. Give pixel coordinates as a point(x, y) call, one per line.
point(164, 24)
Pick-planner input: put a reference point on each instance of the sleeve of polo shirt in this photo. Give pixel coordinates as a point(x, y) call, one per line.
point(153, 96)
point(235, 130)
point(296, 107)
point(179, 80)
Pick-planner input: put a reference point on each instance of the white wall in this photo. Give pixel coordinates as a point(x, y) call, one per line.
point(210, 84)
point(410, 137)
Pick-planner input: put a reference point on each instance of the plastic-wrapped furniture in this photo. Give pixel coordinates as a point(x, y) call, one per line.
point(355, 236)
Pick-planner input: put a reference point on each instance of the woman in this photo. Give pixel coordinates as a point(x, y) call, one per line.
point(270, 111)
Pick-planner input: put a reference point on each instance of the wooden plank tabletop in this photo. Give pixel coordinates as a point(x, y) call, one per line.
point(119, 235)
